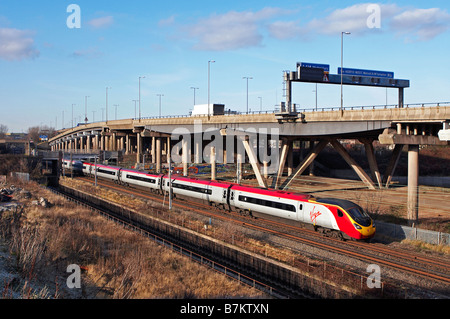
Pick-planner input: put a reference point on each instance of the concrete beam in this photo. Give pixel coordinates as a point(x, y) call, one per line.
point(284, 154)
point(391, 137)
point(305, 163)
point(350, 161)
point(254, 162)
point(370, 152)
point(387, 177)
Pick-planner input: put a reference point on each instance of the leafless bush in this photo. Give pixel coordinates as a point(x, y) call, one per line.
point(28, 246)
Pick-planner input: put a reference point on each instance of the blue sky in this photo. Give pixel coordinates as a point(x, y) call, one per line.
point(45, 66)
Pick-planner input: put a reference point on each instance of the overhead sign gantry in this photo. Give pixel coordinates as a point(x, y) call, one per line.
point(320, 73)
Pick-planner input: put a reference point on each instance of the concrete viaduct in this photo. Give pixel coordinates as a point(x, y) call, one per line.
point(400, 127)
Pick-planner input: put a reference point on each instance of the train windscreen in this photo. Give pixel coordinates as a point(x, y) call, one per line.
point(356, 212)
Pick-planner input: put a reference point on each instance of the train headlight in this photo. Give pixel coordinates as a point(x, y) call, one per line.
point(357, 226)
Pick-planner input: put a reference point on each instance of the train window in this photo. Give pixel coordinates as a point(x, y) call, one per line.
point(267, 203)
point(142, 179)
point(300, 207)
point(192, 188)
point(99, 170)
point(340, 213)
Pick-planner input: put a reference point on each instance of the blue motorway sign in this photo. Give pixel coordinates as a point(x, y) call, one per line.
point(325, 67)
point(369, 73)
point(43, 137)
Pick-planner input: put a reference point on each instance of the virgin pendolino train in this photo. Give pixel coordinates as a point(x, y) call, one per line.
point(331, 216)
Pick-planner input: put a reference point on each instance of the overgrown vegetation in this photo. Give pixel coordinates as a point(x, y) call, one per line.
point(116, 263)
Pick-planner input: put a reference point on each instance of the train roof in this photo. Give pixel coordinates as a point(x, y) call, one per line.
point(139, 172)
point(271, 192)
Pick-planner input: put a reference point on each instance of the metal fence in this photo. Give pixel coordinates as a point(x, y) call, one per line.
point(405, 232)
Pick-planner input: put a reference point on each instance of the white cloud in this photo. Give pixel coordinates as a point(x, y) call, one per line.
point(17, 44)
point(91, 53)
point(285, 29)
point(421, 24)
point(102, 22)
point(352, 19)
point(167, 22)
point(232, 30)
point(413, 24)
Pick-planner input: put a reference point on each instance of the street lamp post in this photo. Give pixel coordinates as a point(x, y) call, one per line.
point(72, 114)
point(342, 69)
point(85, 109)
point(247, 78)
point(209, 84)
point(116, 105)
point(135, 108)
point(194, 88)
point(160, 95)
point(141, 77)
point(107, 103)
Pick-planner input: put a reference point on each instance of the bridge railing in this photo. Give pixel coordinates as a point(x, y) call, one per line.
point(277, 109)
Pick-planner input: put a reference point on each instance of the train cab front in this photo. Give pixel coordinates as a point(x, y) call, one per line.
point(363, 224)
point(352, 219)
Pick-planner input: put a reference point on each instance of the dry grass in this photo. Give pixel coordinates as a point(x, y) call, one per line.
point(119, 263)
point(227, 232)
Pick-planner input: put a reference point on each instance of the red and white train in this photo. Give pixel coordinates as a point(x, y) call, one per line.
point(337, 216)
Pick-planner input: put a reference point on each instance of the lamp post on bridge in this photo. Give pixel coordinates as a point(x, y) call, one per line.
point(209, 84)
point(85, 109)
point(160, 95)
point(141, 77)
point(342, 69)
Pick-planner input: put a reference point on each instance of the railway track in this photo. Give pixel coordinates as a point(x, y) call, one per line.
point(415, 264)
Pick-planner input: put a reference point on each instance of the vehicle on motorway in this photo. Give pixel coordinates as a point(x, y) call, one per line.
point(333, 217)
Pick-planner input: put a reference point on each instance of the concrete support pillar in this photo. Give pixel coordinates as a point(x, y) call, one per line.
point(96, 142)
point(153, 150)
point(290, 157)
point(168, 149)
point(139, 148)
point(158, 155)
point(197, 151)
point(88, 143)
point(114, 142)
point(213, 163)
point(102, 142)
point(185, 157)
point(413, 185)
point(127, 143)
point(239, 168)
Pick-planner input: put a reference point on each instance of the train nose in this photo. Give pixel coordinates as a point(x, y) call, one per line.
point(368, 232)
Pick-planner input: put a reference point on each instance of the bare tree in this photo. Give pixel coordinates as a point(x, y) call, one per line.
point(3, 130)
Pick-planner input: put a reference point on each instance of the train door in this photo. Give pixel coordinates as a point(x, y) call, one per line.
point(300, 210)
point(119, 176)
